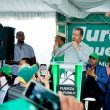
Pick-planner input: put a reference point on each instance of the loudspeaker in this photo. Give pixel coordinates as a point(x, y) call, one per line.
point(7, 43)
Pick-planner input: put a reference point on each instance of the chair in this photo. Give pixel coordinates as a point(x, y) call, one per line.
point(87, 101)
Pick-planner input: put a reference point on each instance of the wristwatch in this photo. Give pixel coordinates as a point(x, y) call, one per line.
point(94, 76)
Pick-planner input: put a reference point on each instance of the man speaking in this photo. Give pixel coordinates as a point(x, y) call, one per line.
point(75, 51)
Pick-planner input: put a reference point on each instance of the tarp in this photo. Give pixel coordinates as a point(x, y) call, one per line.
point(70, 8)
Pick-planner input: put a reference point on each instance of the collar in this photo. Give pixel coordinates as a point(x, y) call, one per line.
point(90, 66)
point(19, 45)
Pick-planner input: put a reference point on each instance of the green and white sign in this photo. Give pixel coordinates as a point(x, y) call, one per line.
point(97, 36)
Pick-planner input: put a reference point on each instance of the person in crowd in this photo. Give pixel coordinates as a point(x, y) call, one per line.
point(25, 74)
point(96, 78)
point(107, 97)
point(43, 79)
point(108, 69)
point(23, 63)
point(6, 82)
point(21, 50)
point(27, 61)
point(60, 39)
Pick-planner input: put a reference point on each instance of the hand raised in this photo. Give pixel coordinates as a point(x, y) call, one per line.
point(55, 47)
point(45, 80)
point(75, 44)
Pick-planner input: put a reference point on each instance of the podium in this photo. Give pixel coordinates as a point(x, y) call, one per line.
point(75, 68)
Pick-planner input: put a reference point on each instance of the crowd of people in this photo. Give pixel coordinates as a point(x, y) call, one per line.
point(17, 74)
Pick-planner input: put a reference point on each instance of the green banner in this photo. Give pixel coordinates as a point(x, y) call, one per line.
point(97, 36)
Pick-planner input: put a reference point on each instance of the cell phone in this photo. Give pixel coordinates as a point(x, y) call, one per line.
point(43, 68)
point(41, 97)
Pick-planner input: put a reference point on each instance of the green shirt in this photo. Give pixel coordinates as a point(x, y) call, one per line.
point(59, 59)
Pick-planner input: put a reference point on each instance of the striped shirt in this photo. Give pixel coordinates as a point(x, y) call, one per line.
point(15, 92)
point(71, 55)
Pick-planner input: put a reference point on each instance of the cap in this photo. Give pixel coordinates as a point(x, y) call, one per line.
point(60, 35)
point(26, 74)
point(94, 55)
point(35, 68)
point(6, 70)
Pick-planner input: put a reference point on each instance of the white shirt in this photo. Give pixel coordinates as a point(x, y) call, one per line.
point(71, 55)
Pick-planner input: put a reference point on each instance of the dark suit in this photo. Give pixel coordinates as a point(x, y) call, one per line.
point(101, 76)
point(96, 88)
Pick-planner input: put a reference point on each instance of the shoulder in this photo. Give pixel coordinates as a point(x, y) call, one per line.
point(12, 88)
point(84, 44)
point(101, 67)
point(27, 45)
point(17, 88)
point(16, 45)
point(86, 48)
point(87, 66)
point(67, 44)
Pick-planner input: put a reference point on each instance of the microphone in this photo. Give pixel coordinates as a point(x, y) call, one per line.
point(20, 48)
point(63, 51)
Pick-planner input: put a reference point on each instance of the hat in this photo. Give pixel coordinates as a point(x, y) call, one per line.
point(35, 68)
point(94, 55)
point(26, 74)
point(60, 35)
point(11, 105)
point(6, 70)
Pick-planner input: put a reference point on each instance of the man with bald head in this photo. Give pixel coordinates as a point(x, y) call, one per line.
point(21, 50)
point(96, 78)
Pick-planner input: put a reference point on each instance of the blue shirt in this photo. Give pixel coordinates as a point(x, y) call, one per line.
point(24, 51)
